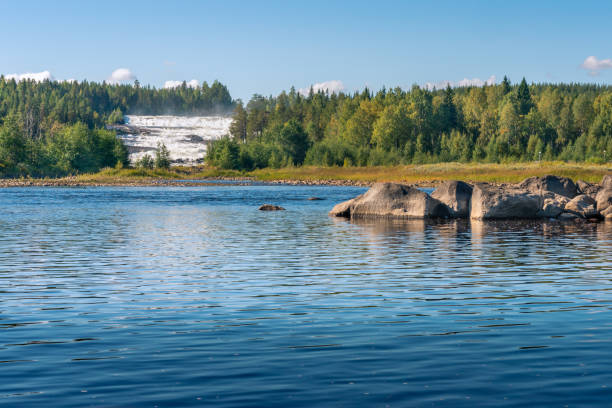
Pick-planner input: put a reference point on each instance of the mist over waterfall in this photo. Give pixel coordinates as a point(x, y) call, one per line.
point(186, 137)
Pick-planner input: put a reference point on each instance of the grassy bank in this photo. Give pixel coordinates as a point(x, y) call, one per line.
point(431, 173)
point(414, 174)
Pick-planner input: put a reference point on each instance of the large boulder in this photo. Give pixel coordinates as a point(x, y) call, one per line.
point(496, 202)
point(344, 208)
point(390, 200)
point(603, 200)
point(456, 195)
point(582, 206)
point(554, 184)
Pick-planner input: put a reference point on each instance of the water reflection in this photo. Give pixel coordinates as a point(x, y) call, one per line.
point(179, 297)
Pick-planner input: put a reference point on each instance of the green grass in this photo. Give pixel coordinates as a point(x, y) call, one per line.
point(422, 174)
point(430, 173)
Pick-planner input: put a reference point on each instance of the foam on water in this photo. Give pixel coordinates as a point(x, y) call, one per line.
point(186, 137)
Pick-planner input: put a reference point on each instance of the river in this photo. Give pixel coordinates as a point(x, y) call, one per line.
point(165, 297)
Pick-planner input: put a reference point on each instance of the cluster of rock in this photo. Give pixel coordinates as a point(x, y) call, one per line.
point(535, 197)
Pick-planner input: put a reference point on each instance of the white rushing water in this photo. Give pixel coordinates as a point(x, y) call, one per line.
point(185, 137)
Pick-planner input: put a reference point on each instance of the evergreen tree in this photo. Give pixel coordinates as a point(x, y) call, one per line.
point(506, 85)
point(524, 98)
point(162, 156)
point(447, 112)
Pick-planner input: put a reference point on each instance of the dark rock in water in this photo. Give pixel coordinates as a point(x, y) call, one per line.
point(271, 207)
point(194, 139)
point(495, 202)
point(390, 200)
point(558, 185)
point(139, 149)
point(126, 129)
point(582, 206)
point(456, 195)
point(568, 216)
point(314, 198)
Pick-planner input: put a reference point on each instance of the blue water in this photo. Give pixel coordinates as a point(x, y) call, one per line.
point(191, 297)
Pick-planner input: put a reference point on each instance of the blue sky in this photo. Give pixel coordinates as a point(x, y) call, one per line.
point(265, 47)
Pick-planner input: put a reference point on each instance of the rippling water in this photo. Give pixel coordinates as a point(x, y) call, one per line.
point(191, 297)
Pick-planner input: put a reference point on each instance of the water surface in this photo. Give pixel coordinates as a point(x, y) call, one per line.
point(191, 297)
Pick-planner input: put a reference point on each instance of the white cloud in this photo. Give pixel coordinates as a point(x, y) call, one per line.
point(593, 65)
point(36, 76)
point(121, 75)
point(194, 83)
point(462, 83)
point(327, 86)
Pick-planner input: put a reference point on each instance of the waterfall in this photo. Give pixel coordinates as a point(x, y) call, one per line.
point(186, 137)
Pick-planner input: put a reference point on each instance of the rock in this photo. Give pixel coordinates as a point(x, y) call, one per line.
point(271, 207)
point(558, 185)
point(314, 198)
point(344, 208)
point(553, 205)
point(603, 200)
point(568, 216)
point(391, 200)
point(456, 195)
point(587, 188)
point(606, 182)
point(493, 202)
point(582, 206)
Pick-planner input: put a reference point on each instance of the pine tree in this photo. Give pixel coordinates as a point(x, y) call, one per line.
point(524, 98)
point(506, 85)
point(448, 111)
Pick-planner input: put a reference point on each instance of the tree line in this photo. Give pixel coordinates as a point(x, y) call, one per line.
point(54, 128)
point(494, 123)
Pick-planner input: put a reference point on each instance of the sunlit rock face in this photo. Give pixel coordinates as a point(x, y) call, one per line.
point(186, 137)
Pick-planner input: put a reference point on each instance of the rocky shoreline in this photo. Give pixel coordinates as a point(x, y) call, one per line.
point(548, 197)
point(74, 182)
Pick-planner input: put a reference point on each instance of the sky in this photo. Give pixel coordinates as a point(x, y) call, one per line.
point(268, 46)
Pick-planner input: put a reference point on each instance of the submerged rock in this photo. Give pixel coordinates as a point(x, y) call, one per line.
point(456, 196)
point(271, 207)
point(495, 202)
point(314, 198)
point(390, 200)
point(559, 185)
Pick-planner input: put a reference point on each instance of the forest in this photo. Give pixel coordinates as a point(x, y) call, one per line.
point(54, 128)
point(496, 123)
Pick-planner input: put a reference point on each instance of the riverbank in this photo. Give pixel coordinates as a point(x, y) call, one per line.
point(426, 175)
